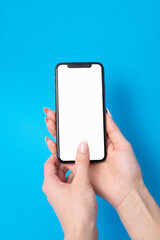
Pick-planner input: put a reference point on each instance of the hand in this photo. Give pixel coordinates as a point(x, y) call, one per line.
point(72, 198)
point(116, 177)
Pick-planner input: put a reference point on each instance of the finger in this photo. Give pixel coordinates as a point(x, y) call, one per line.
point(110, 145)
point(51, 145)
point(53, 148)
point(71, 166)
point(62, 170)
point(108, 141)
point(110, 148)
point(51, 183)
point(51, 126)
point(82, 160)
point(113, 131)
point(50, 167)
point(50, 114)
point(70, 178)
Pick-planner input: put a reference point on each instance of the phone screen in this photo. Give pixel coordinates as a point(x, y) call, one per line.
point(80, 111)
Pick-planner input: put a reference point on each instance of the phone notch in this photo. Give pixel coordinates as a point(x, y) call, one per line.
point(79, 65)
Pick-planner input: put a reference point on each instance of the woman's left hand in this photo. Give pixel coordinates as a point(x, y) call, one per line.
point(72, 198)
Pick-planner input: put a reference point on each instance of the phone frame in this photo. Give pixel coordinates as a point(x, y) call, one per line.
point(74, 65)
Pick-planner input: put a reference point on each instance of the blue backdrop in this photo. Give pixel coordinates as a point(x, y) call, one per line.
point(34, 36)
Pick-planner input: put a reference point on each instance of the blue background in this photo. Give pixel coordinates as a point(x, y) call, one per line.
point(34, 37)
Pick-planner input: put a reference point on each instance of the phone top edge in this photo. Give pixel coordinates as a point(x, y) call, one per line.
point(68, 63)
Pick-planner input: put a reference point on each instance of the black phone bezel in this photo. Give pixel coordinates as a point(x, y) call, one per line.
point(79, 64)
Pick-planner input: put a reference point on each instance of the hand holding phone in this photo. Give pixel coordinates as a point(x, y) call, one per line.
point(72, 198)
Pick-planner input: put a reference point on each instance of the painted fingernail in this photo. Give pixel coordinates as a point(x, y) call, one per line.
point(83, 147)
point(46, 139)
point(109, 114)
point(46, 110)
point(46, 119)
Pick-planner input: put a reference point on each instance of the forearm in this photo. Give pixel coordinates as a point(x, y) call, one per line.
point(140, 215)
point(86, 232)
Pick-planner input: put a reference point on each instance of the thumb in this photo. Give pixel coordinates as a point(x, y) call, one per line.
point(113, 131)
point(82, 160)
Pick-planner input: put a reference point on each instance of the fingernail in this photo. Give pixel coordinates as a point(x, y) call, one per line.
point(46, 119)
point(46, 110)
point(109, 114)
point(46, 139)
point(83, 147)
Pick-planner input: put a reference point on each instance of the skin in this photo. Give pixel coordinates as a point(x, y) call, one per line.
point(76, 210)
point(119, 180)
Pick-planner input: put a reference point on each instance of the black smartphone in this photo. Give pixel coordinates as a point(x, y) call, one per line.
point(80, 109)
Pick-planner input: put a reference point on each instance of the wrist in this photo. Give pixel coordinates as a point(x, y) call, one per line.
point(134, 198)
point(85, 231)
point(140, 214)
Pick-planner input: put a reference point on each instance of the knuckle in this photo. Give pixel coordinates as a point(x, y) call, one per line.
point(45, 165)
point(82, 158)
point(80, 161)
point(44, 187)
point(80, 182)
point(128, 145)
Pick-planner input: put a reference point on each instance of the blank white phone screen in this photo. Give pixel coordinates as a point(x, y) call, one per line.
point(80, 109)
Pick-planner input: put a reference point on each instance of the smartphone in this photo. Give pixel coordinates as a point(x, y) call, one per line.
point(80, 109)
